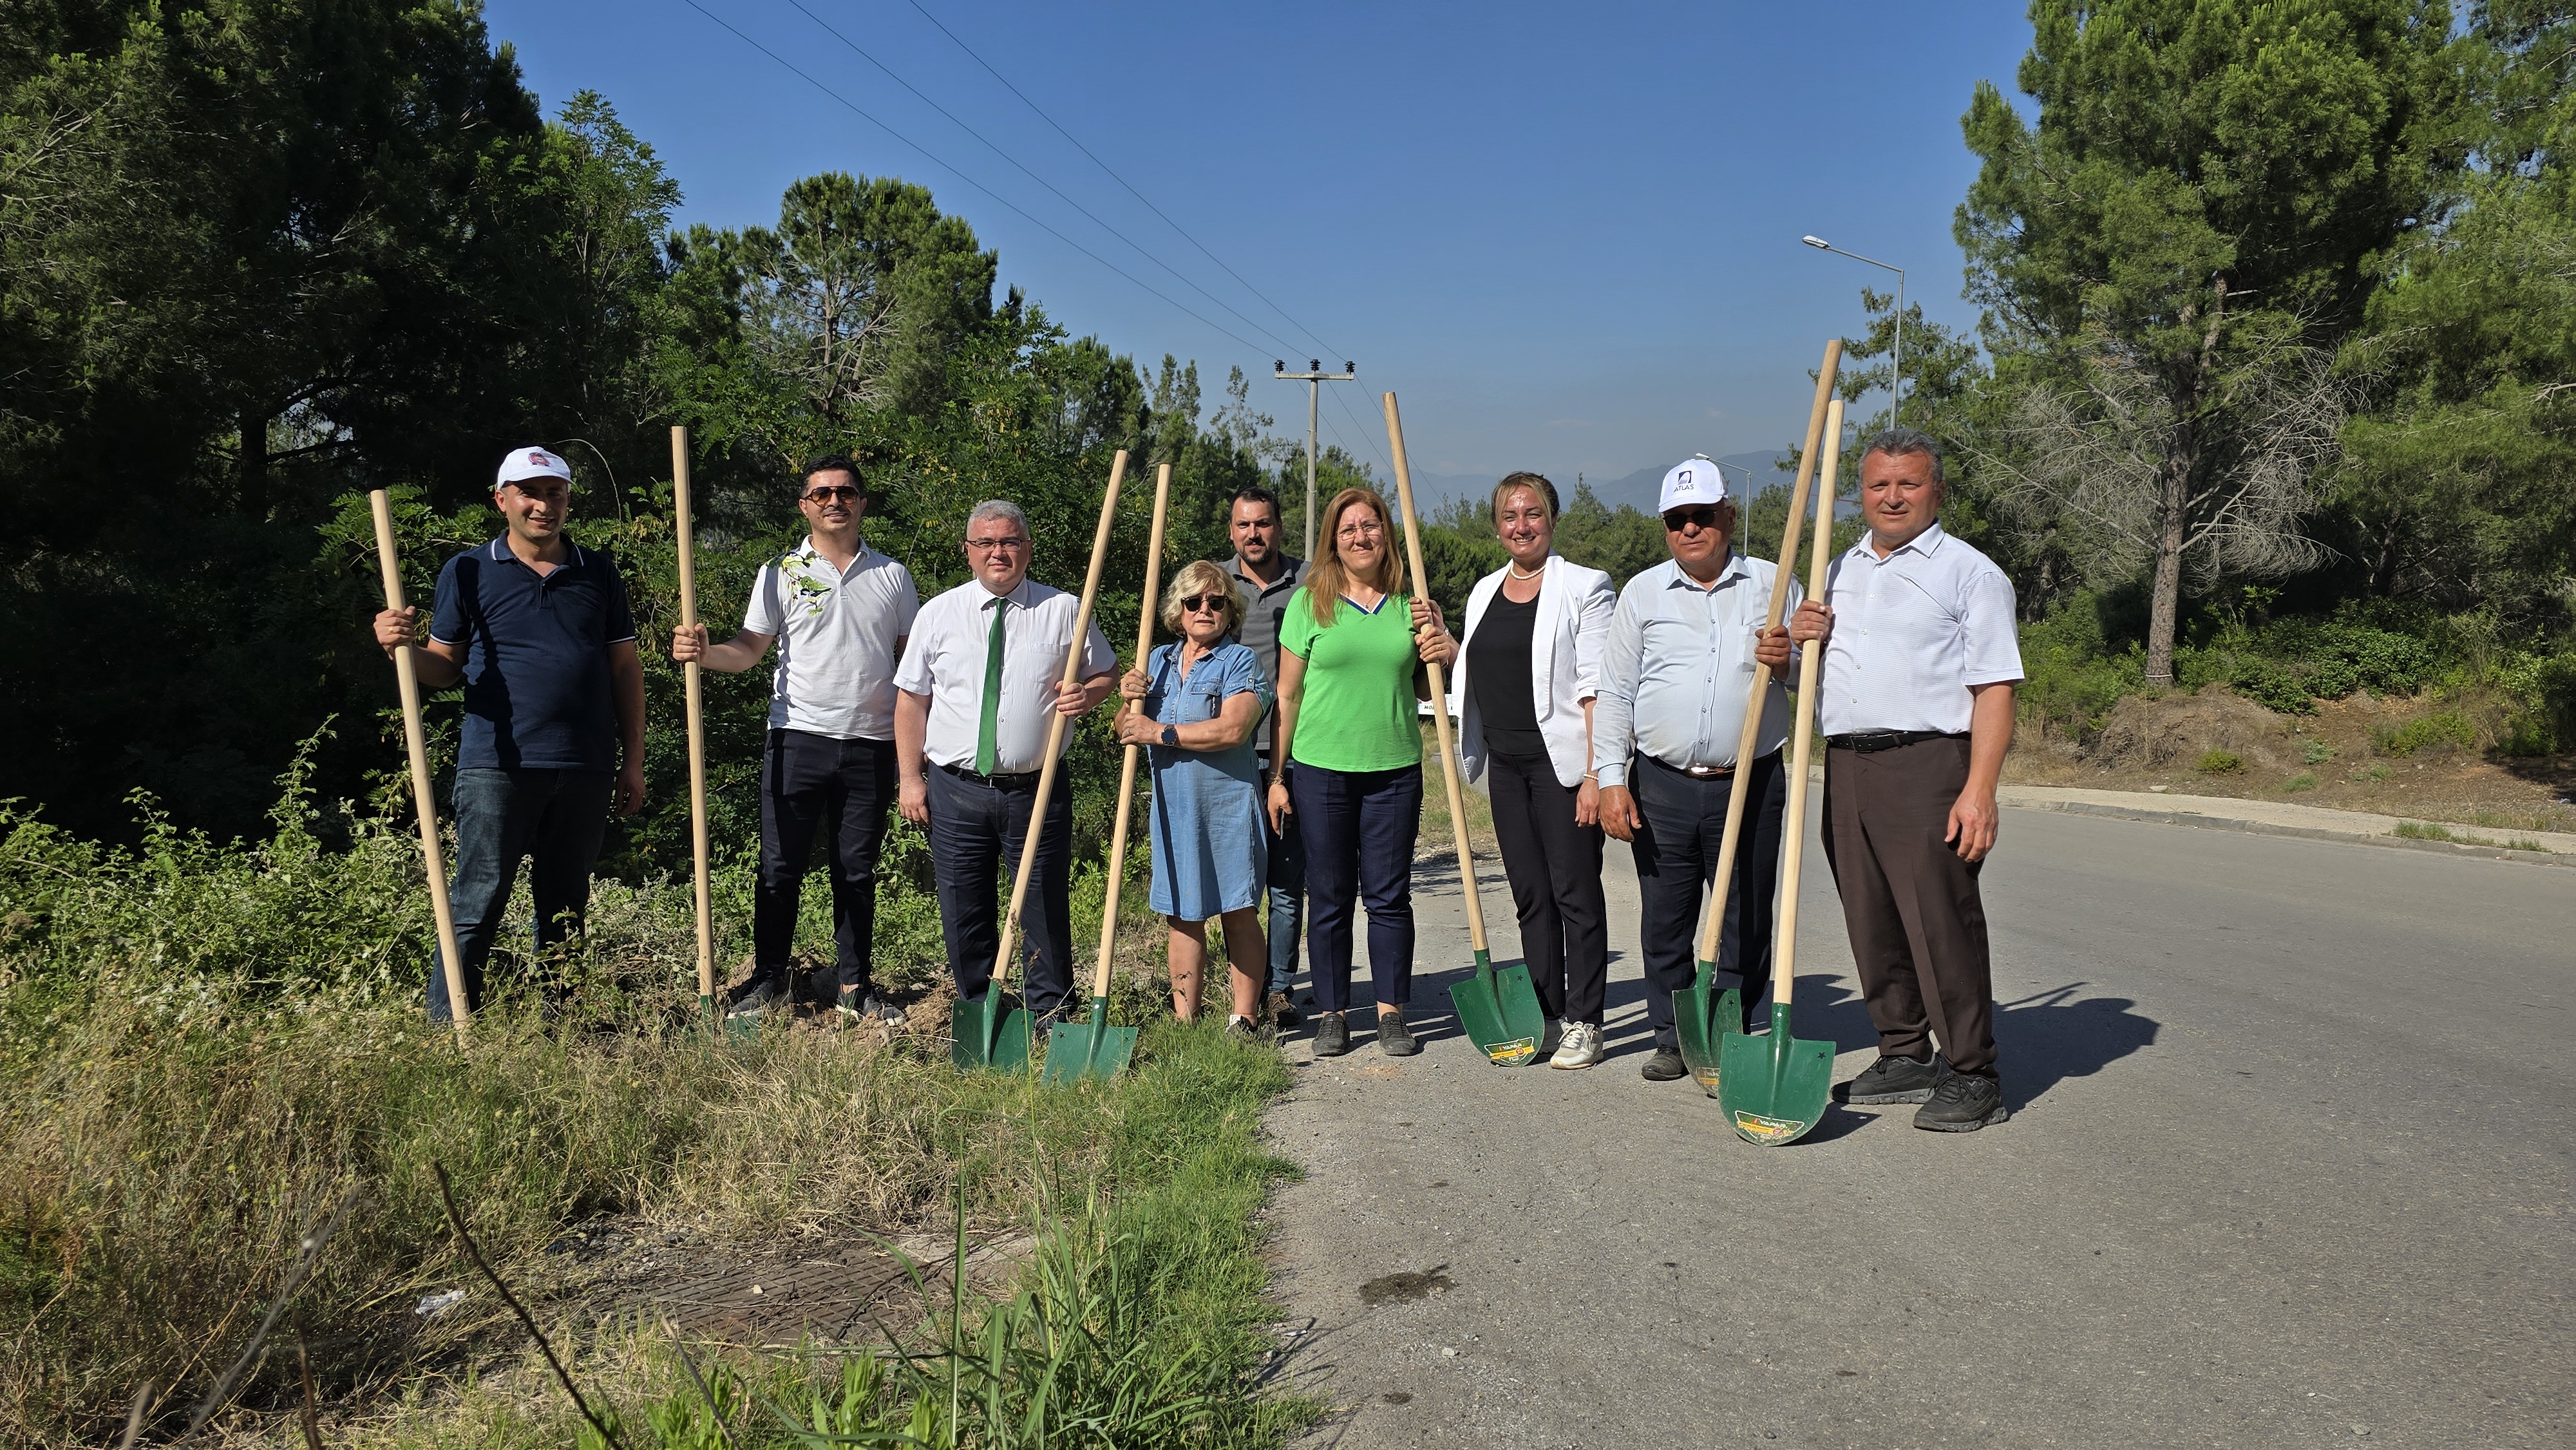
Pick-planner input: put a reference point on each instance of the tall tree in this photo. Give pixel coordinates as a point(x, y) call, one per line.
point(2191, 215)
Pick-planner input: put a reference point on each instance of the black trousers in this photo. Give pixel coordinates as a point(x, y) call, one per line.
point(976, 833)
point(841, 789)
point(1676, 851)
point(1916, 917)
point(1554, 867)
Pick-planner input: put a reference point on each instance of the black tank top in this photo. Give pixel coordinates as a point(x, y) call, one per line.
point(1499, 661)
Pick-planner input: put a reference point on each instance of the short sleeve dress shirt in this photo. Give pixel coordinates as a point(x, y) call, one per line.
point(945, 661)
point(537, 690)
point(1913, 632)
point(836, 631)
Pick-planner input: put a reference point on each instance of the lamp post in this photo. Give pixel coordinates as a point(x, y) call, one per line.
point(1896, 375)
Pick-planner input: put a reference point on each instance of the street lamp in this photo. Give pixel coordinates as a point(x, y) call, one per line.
point(1896, 376)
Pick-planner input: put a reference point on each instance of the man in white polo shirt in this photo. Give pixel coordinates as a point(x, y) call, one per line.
point(840, 612)
point(970, 729)
point(1916, 705)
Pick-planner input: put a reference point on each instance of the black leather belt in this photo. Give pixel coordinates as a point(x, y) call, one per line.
point(1694, 772)
point(1025, 780)
point(1869, 742)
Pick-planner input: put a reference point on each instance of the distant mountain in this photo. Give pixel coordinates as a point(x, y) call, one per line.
point(1753, 473)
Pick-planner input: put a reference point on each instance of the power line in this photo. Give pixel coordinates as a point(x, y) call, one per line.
point(988, 145)
point(1122, 181)
point(970, 181)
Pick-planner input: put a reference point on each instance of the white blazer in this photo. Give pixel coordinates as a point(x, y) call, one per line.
point(1574, 609)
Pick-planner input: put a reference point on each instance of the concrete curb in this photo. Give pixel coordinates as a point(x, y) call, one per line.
point(2207, 822)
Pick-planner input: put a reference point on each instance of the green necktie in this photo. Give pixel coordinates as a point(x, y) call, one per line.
point(987, 728)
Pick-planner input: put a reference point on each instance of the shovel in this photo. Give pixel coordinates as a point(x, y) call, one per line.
point(424, 801)
point(1702, 1017)
point(1773, 1088)
point(1095, 1050)
point(693, 687)
point(1498, 1011)
point(983, 1033)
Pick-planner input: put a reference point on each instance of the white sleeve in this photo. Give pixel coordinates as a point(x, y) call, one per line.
point(906, 603)
point(763, 614)
point(1591, 633)
point(1614, 706)
point(1986, 625)
point(917, 669)
point(1097, 657)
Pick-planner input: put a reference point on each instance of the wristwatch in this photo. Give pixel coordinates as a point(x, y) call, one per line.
point(1171, 736)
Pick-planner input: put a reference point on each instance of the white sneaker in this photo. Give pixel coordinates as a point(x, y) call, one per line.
point(1581, 1048)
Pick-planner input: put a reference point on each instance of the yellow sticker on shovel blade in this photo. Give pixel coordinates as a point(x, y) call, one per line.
point(1758, 1129)
point(1707, 1078)
point(1512, 1053)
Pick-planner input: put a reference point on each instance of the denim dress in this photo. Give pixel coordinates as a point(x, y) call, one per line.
point(1209, 850)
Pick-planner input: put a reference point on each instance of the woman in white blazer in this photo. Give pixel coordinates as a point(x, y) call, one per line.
point(1527, 669)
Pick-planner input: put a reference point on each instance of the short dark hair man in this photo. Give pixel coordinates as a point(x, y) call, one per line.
point(1916, 705)
point(1264, 579)
point(840, 612)
point(539, 630)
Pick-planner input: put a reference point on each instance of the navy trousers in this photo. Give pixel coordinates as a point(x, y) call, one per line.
point(1676, 854)
point(977, 830)
point(553, 819)
point(1359, 828)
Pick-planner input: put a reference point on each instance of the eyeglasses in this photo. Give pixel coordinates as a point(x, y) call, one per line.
point(995, 546)
point(1193, 603)
point(832, 493)
point(1704, 517)
point(1364, 529)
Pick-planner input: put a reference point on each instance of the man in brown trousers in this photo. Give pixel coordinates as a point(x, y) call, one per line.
point(1916, 705)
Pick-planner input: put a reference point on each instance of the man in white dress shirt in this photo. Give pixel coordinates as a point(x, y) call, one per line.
point(1676, 676)
point(839, 611)
point(1916, 705)
point(970, 729)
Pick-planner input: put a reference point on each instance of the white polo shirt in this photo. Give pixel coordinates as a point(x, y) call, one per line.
point(1912, 633)
point(946, 662)
point(836, 631)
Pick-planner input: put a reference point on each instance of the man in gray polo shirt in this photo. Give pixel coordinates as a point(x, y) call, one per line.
point(840, 612)
point(1265, 579)
point(1916, 705)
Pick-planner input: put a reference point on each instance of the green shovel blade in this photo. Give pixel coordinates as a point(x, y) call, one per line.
point(1093, 1050)
point(1773, 1089)
point(989, 1034)
point(1703, 1017)
point(1499, 1012)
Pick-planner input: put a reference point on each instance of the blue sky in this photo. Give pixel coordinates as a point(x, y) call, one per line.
point(1565, 236)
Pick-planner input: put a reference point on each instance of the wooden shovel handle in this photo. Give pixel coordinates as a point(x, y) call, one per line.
point(1439, 687)
point(1785, 939)
point(1127, 768)
point(1753, 703)
point(693, 687)
point(424, 800)
point(1056, 722)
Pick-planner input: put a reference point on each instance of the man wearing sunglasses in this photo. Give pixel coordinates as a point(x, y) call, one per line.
point(1676, 678)
point(973, 694)
point(1265, 578)
point(840, 612)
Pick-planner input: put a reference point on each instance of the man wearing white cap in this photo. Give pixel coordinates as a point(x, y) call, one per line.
point(1676, 676)
point(537, 627)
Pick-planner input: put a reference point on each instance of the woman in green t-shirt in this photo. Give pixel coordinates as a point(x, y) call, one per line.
point(1352, 647)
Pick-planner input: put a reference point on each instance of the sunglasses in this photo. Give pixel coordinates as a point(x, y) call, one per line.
point(832, 493)
point(1703, 517)
point(1193, 603)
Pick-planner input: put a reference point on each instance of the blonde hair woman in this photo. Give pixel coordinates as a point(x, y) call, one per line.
point(1196, 704)
point(1349, 752)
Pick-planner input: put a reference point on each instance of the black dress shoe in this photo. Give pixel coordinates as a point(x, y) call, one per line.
point(1962, 1104)
point(1893, 1080)
point(1393, 1037)
point(1664, 1066)
point(1332, 1035)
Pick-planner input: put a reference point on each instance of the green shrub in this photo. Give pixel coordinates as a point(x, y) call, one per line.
point(2220, 762)
point(2373, 771)
point(2441, 733)
point(2304, 780)
point(2317, 753)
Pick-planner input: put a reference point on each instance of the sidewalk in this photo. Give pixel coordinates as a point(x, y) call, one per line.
point(2279, 818)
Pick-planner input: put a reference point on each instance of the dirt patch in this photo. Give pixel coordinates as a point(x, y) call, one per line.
point(2337, 756)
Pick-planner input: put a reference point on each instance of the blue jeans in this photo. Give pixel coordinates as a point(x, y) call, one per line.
point(1287, 876)
point(554, 820)
point(1359, 828)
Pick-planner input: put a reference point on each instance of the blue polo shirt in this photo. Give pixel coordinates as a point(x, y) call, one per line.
point(537, 693)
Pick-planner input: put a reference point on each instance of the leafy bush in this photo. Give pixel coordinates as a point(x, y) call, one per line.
point(2304, 780)
point(2220, 762)
point(2439, 734)
point(2072, 679)
point(2317, 752)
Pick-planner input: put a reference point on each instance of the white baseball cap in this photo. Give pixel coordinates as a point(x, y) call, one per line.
point(531, 463)
point(1692, 482)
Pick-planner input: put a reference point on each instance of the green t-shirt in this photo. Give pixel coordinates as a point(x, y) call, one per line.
point(1356, 711)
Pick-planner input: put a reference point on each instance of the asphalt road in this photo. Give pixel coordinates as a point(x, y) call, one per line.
point(2290, 1164)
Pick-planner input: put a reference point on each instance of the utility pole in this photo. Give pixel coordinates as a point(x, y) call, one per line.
point(1314, 378)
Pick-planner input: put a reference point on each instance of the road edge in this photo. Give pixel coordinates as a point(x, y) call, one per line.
point(2171, 817)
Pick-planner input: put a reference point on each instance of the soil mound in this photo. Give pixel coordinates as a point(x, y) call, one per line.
point(2177, 730)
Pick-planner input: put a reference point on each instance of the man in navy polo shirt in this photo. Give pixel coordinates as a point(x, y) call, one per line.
point(538, 629)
